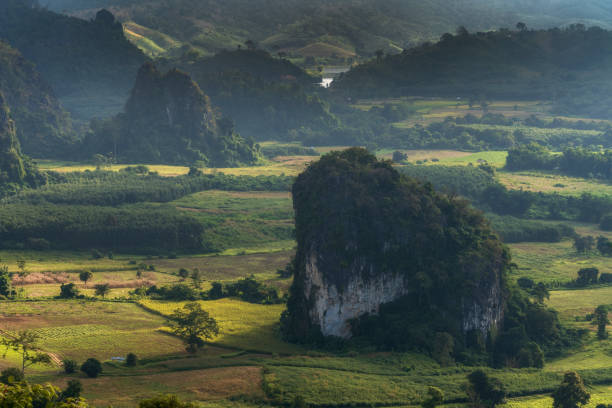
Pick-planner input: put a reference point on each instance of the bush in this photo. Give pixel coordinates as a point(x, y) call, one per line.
point(69, 291)
point(131, 360)
point(606, 222)
point(176, 292)
point(11, 376)
point(70, 366)
point(605, 278)
point(92, 367)
point(165, 401)
point(73, 390)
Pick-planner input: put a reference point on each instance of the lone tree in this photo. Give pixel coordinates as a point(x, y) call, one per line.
point(102, 289)
point(24, 343)
point(196, 277)
point(193, 324)
point(484, 392)
point(92, 367)
point(601, 320)
point(6, 285)
point(85, 276)
point(571, 393)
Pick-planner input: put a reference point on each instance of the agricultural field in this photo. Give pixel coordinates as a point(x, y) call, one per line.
point(539, 181)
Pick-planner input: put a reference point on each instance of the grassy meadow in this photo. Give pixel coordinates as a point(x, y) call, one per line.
point(248, 364)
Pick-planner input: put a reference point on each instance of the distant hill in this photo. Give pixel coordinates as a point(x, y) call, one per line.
point(571, 67)
point(353, 26)
point(267, 97)
point(89, 64)
point(43, 127)
point(168, 119)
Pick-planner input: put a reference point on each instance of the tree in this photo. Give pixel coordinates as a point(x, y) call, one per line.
point(443, 349)
point(24, 343)
point(6, 283)
point(102, 289)
point(540, 292)
point(521, 26)
point(587, 276)
point(193, 324)
point(584, 244)
point(69, 291)
point(571, 393)
point(28, 395)
point(85, 276)
point(92, 367)
point(484, 392)
point(601, 320)
point(131, 360)
point(183, 273)
point(435, 397)
point(196, 276)
point(70, 366)
point(21, 264)
point(165, 401)
point(604, 246)
point(73, 390)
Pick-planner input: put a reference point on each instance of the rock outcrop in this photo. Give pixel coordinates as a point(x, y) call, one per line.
point(368, 237)
point(168, 119)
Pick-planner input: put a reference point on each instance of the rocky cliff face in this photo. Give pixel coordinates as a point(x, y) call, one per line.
point(368, 237)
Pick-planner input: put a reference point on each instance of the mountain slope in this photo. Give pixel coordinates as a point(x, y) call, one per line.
point(15, 169)
point(353, 25)
point(556, 65)
point(89, 64)
point(43, 127)
point(168, 119)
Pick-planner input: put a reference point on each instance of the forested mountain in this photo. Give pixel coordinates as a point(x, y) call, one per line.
point(571, 67)
point(341, 27)
point(168, 119)
point(266, 96)
point(89, 64)
point(15, 169)
point(43, 127)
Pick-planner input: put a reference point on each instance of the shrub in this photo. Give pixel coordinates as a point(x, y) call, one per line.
point(605, 278)
point(68, 291)
point(92, 367)
point(73, 390)
point(606, 222)
point(11, 376)
point(131, 360)
point(70, 366)
point(165, 401)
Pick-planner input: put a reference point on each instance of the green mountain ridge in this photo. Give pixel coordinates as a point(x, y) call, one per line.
point(353, 25)
point(44, 128)
point(89, 64)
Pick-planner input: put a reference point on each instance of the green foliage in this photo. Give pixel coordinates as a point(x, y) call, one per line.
point(92, 367)
point(247, 289)
point(102, 289)
point(193, 324)
point(435, 397)
point(108, 188)
point(73, 390)
point(484, 392)
point(11, 375)
point(67, 226)
point(36, 395)
point(25, 343)
point(70, 366)
point(85, 276)
point(571, 393)
point(131, 360)
point(165, 401)
point(601, 320)
point(534, 64)
point(68, 291)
